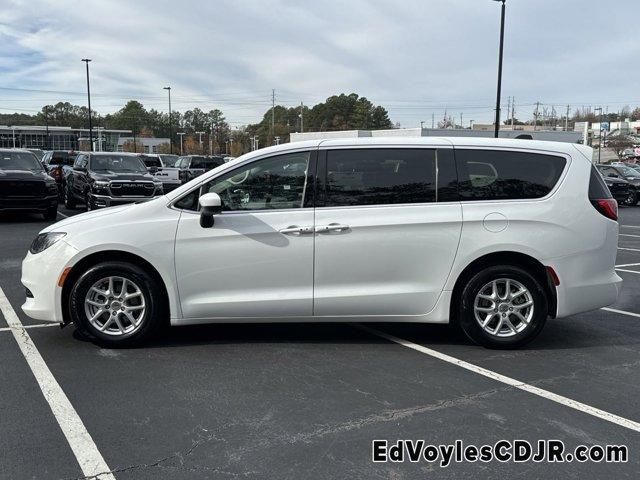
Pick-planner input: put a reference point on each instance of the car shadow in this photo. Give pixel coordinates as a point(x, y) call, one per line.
point(21, 218)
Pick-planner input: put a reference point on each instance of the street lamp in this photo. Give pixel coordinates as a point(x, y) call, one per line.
point(200, 140)
point(497, 126)
point(86, 61)
point(168, 89)
point(181, 134)
point(471, 124)
point(600, 133)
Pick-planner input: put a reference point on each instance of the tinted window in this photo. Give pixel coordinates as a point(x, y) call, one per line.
point(169, 160)
point(493, 175)
point(117, 163)
point(597, 188)
point(272, 183)
point(151, 161)
point(380, 177)
point(19, 161)
point(61, 158)
point(198, 162)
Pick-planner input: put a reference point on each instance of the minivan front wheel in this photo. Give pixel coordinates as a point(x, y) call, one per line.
point(117, 303)
point(503, 307)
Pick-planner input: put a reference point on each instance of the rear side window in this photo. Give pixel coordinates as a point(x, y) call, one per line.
point(61, 158)
point(198, 162)
point(505, 175)
point(379, 176)
point(597, 188)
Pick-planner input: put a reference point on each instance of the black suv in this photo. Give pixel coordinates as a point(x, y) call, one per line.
point(25, 185)
point(104, 179)
point(625, 173)
point(58, 163)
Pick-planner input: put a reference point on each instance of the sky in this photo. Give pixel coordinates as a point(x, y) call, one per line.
point(417, 58)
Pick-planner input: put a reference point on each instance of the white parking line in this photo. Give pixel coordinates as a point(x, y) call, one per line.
point(628, 235)
point(621, 312)
point(581, 407)
point(80, 441)
point(629, 249)
point(630, 226)
point(628, 265)
point(40, 325)
point(62, 214)
point(628, 271)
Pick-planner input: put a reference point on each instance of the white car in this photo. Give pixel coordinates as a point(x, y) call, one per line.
point(494, 235)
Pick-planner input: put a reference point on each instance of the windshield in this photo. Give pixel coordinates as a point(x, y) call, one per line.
point(116, 163)
point(169, 160)
point(151, 161)
point(628, 171)
point(19, 161)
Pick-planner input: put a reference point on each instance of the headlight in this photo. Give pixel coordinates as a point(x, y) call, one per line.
point(100, 186)
point(44, 241)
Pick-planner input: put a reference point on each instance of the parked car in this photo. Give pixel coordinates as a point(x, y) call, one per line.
point(58, 163)
point(620, 189)
point(25, 186)
point(168, 175)
point(37, 152)
point(104, 179)
point(192, 166)
point(494, 235)
point(625, 173)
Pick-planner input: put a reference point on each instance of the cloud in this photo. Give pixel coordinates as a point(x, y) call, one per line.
point(416, 57)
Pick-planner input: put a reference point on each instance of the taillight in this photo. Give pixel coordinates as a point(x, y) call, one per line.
point(607, 207)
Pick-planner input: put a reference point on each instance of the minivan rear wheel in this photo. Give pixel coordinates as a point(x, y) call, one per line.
point(117, 303)
point(503, 306)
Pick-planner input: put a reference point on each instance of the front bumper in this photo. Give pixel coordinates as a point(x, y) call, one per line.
point(103, 201)
point(40, 275)
point(28, 204)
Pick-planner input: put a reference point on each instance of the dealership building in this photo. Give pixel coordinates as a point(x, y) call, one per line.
point(59, 138)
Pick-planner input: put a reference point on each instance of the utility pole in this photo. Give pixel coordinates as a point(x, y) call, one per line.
point(273, 114)
point(461, 120)
point(46, 126)
point(211, 139)
point(133, 130)
point(513, 110)
point(168, 89)
point(421, 124)
point(200, 140)
point(535, 117)
point(301, 117)
point(508, 108)
point(433, 120)
point(566, 120)
point(181, 134)
point(600, 133)
point(497, 126)
point(86, 61)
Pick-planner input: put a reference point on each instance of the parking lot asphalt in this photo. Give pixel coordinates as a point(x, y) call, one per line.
point(306, 400)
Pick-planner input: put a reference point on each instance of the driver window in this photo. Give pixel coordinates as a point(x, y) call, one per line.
point(272, 183)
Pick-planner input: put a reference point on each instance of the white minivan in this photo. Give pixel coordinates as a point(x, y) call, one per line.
point(494, 235)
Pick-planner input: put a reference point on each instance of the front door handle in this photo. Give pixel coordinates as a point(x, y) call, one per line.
point(296, 230)
point(332, 227)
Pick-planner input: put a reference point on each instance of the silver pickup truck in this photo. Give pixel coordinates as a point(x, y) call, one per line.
point(163, 168)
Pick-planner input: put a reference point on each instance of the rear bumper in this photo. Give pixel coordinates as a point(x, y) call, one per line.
point(28, 204)
point(103, 201)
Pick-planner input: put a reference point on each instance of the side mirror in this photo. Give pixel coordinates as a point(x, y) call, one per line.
point(210, 205)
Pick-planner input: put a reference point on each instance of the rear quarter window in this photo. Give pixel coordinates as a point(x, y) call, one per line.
point(506, 175)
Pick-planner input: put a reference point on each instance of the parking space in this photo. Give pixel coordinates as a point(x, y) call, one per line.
point(305, 401)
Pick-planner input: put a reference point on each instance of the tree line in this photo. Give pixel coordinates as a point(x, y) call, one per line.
point(338, 112)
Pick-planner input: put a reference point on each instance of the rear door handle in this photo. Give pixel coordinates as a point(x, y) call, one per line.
point(332, 227)
point(296, 230)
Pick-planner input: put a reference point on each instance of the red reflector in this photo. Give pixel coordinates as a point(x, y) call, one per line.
point(607, 207)
point(553, 275)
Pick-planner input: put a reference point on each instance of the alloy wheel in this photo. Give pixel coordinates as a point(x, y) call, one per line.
point(115, 306)
point(503, 307)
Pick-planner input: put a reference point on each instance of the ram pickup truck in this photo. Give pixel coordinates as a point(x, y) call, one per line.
point(192, 166)
point(104, 179)
point(162, 168)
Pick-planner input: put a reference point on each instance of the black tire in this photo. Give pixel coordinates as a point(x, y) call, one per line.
point(471, 326)
point(151, 319)
point(69, 201)
point(51, 213)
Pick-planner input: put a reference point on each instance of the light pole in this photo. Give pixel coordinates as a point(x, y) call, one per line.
point(421, 124)
point(86, 61)
point(168, 89)
point(471, 124)
point(600, 133)
point(200, 140)
point(181, 134)
point(497, 126)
